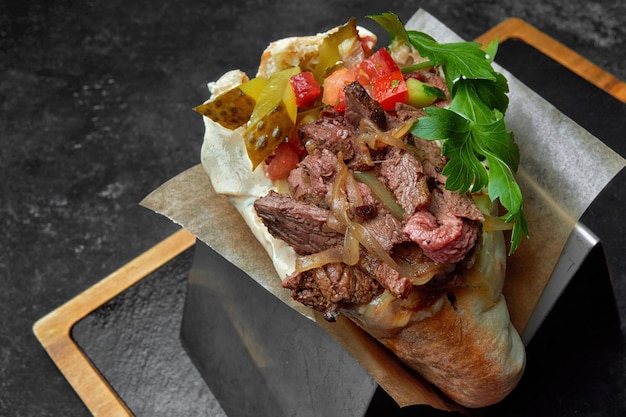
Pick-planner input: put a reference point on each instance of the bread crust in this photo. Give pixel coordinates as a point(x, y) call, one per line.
point(290, 52)
point(465, 345)
point(299, 51)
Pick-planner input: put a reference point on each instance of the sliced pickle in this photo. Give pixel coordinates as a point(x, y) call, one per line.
point(254, 87)
point(234, 107)
point(330, 54)
point(230, 109)
point(265, 135)
point(273, 118)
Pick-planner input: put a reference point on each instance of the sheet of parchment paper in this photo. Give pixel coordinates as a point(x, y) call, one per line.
point(563, 168)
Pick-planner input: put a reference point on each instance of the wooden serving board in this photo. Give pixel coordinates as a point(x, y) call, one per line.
point(54, 330)
point(515, 28)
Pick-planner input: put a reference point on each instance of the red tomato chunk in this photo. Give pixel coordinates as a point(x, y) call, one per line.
point(284, 159)
point(378, 74)
point(390, 89)
point(376, 66)
point(306, 89)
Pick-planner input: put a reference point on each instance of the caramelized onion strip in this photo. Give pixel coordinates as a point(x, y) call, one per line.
point(496, 224)
point(348, 254)
point(339, 207)
point(319, 259)
point(374, 138)
point(420, 274)
point(489, 209)
point(381, 192)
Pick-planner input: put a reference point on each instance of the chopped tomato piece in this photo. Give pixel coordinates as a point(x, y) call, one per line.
point(305, 88)
point(374, 67)
point(333, 88)
point(390, 89)
point(284, 159)
point(379, 74)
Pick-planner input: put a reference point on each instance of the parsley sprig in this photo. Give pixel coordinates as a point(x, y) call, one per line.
point(481, 151)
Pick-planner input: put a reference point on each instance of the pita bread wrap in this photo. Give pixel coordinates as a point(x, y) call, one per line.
point(459, 336)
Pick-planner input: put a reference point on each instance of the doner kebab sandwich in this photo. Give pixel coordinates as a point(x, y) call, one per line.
point(380, 181)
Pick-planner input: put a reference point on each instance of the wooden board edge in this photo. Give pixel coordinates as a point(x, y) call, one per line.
point(515, 28)
point(54, 330)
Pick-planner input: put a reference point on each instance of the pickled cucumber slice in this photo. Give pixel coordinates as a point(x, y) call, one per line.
point(230, 109)
point(234, 107)
point(330, 55)
point(265, 135)
point(273, 118)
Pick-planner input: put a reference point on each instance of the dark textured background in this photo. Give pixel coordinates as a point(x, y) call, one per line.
point(95, 113)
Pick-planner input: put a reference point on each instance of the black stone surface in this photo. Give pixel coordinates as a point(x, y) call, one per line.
point(95, 113)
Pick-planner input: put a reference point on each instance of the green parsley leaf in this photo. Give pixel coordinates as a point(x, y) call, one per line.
point(481, 151)
point(493, 93)
point(459, 59)
point(440, 123)
point(433, 91)
point(520, 228)
point(491, 50)
point(465, 170)
point(392, 24)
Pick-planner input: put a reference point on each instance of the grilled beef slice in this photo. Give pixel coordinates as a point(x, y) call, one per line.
point(327, 288)
point(359, 105)
point(301, 225)
point(331, 131)
point(404, 176)
point(440, 232)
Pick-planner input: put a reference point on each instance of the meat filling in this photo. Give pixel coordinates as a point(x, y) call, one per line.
point(418, 251)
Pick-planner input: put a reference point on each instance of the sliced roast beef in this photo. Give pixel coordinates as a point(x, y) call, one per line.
point(391, 279)
point(406, 112)
point(331, 131)
point(461, 205)
point(334, 133)
point(386, 229)
point(359, 105)
point(329, 287)
point(404, 176)
point(443, 236)
point(311, 180)
point(301, 225)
